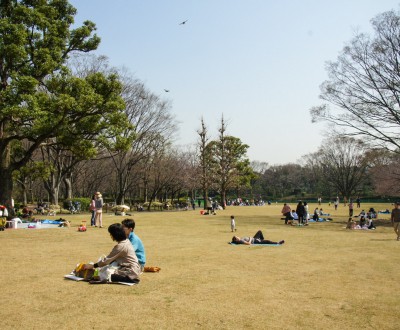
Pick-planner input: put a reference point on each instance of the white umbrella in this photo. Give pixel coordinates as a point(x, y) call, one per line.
point(121, 208)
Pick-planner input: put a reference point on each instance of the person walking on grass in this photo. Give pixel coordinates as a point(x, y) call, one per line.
point(395, 219)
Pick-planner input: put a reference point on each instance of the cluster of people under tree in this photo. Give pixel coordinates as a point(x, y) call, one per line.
point(211, 206)
point(41, 208)
point(240, 202)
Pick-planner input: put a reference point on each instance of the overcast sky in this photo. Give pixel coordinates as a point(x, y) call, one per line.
point(259, 63)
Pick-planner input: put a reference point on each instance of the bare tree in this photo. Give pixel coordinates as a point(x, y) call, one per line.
point(154, 126)
point(364, 86)
point(258, 166)
point(384, 172)
point(344, 164)
point(165, 169)
point(93, 175)
point(283, 180)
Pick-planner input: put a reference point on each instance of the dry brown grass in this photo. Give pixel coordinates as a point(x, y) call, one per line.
point(323, 277)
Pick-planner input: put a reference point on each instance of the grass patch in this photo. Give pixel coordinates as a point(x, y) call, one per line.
point(323, 276)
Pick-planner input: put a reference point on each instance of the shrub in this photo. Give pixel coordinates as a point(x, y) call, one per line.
point(85, 202)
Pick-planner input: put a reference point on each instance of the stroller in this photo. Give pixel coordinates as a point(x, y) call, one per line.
point(74, 207)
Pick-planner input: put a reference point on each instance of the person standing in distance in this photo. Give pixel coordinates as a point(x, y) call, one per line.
point(233, 224)
point(395, 219)
point(99, 209)
point(92, 208)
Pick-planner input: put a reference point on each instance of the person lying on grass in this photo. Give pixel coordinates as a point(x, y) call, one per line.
point(122, 253)
point(258, 238)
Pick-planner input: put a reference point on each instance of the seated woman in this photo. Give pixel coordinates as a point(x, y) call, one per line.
point(362, 224)
point(322, 213)
point(351, 224)
point(370, 224)
point(258, 238)
point(371, 213)
point(123, 254)
point(316, 215)
point(362, 221)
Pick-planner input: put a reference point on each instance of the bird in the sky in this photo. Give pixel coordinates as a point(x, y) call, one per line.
point(166, 90)
point(184, 22)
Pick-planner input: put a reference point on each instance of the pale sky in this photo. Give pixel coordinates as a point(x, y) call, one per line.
point(258, 62)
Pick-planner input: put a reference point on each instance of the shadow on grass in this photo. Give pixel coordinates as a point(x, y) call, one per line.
point(383, 239)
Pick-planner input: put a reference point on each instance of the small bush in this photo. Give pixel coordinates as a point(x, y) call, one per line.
point(85, 203)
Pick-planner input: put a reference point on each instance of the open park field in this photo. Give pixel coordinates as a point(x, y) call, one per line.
point(323, 277)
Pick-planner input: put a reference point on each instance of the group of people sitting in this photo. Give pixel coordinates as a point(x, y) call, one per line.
point(301, 216)
point(364, 223)
point(128, 255)
point(371, 214)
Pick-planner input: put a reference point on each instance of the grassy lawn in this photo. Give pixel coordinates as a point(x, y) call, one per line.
point(323, 277)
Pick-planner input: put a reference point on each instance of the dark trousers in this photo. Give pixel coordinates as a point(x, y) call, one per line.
point(259, 235)
point(120, 278)
point(259, 239)
point(287, 217)
point(93, 219)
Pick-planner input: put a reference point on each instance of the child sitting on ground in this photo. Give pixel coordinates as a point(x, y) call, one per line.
point(350, 224)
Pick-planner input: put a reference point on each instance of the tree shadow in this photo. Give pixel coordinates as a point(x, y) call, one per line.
point(382, 239)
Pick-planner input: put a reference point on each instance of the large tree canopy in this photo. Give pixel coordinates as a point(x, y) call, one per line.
point(364, 85)
point(41, 102)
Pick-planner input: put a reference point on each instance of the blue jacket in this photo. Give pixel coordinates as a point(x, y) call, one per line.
point(138, 247)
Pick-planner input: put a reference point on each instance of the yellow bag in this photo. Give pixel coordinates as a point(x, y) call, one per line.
point(87, 274)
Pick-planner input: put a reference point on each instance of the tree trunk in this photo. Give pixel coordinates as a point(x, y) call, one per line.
point(205, 198)
point(68, 187)
point(120, 198)
point(53, 195)
point(223, 199)
point(24, 197)
point(6, 191)
point(52, 188)
point(121, 189)
point(145, 192)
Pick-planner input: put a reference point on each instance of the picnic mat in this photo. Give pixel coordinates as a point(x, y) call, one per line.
point(76, 278)
point(255, 244)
